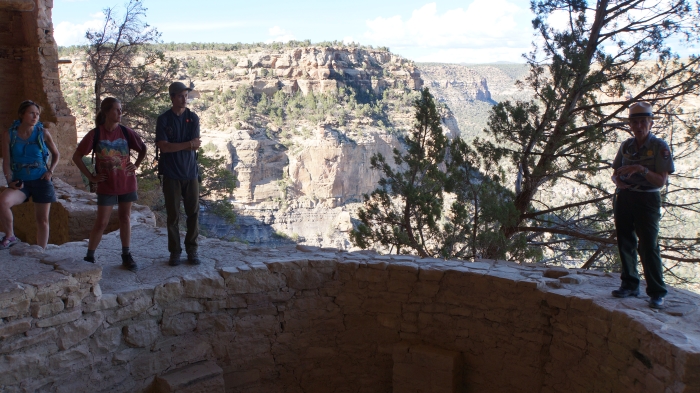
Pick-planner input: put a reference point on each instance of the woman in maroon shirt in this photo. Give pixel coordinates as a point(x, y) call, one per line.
point(115, 174)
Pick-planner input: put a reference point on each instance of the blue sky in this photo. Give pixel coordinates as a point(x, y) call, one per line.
point(476, 31)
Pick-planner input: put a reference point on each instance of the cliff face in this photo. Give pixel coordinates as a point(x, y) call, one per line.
point(300, 175)
point(470, 91)
point(315, 69)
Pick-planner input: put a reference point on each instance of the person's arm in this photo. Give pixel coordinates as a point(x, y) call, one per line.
point(167, 147)
point(78, 161)
point(657, 179)
point(55, 155)
point(141, 148)
point(617, 164)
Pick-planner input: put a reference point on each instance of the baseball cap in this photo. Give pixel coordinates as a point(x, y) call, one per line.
point(177, 87)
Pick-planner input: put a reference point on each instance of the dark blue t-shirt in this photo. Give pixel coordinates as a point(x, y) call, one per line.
point(180, 165)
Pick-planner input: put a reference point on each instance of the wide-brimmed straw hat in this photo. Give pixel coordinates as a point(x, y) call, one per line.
point(640, 109)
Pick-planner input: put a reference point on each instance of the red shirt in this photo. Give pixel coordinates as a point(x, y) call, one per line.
point(112, 157)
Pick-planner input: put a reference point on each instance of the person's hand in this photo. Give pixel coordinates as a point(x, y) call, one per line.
point(619, 183)
point(131, 168)
point(628, 170)
point(14, 186)
point(194, 144)
point(97, 178)
point(47, 176)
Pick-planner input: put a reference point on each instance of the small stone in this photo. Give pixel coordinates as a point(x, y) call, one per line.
point(556, 272)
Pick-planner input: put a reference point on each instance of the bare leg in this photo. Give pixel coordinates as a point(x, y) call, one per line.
point(9, 198)
point(41, 211)
point(125, 223)
point(103, 214)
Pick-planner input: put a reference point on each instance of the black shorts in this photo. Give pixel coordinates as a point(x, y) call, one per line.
point(111, 200)
point(40, 190)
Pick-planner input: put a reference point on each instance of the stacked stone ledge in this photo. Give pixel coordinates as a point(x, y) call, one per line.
point(313, 320)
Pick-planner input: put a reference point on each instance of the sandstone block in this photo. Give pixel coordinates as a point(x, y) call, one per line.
point(31, 338)
point(17, 368)
point(13, 308)
point(15, 327)
point(420, 368)
point(74, 358)
point(107, 340)
point(191, 306)
point(218, 322)
point(134, 295)
point(574, 279)
point(230, 302)
point(105, 302)
point(202, 377)
point(168, 292)
point(60, 318)
point(556, 272)
point(77, 331)
point(254, 281)
point(10, 290)
point(179, 324)
point(83, 272)
point(139, 305)
point(146, 365)
point(208, 286)
point(51, 285)
point(141, 334)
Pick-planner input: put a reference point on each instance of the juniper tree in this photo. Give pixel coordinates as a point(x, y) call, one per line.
point(584, 75)
point(432, 201)
point(125, 64)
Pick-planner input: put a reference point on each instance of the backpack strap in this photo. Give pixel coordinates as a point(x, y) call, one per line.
point(125, 132)
point(42, 145)
point(95, 142)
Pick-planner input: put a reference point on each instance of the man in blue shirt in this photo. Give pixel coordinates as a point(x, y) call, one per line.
point(177, 137)
point(642, 166)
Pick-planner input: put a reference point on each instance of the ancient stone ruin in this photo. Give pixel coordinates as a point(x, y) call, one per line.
point(301, 319)
point(304, 319)
point(29, 70)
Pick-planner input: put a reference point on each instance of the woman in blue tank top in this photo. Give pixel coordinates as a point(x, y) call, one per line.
point(25, 149)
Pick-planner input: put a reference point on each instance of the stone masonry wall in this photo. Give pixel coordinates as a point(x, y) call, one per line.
point(314, 320)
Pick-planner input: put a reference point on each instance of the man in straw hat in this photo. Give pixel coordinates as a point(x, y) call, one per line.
point(177, 137)
point(642, 166)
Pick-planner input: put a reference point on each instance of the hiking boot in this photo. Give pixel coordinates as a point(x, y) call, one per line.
point(8, 242)
point(174, 259)
point(128, 262)
point(89, 259)
point(656, 302)
point(624, 292)
point(193, 258)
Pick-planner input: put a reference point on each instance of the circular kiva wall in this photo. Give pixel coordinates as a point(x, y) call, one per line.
point(309, 320)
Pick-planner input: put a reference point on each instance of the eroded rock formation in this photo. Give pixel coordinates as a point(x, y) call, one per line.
point(29, 70)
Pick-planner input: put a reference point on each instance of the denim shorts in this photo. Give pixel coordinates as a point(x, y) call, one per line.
point(40, 190)
point(111, 200)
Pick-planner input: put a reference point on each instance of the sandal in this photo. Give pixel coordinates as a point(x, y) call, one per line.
point(8, 242)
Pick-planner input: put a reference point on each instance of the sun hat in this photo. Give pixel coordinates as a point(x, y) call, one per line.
point(640, 109)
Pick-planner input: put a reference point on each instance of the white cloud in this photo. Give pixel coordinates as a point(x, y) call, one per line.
point(188, 27)
point(67, 33)
point(484, 28)
point(279, 35)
